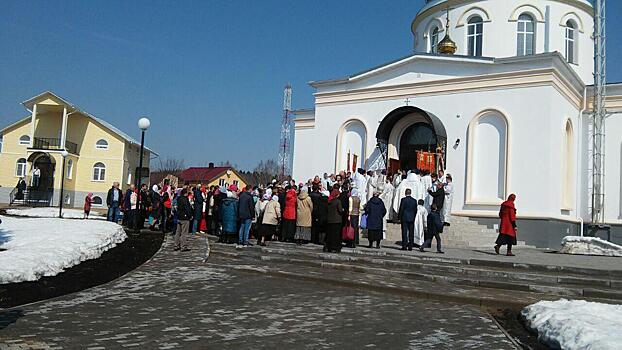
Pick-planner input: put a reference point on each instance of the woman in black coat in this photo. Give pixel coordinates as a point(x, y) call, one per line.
point(333, 223)
point(375, 211)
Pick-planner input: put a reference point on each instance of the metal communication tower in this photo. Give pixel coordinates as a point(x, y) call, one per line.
point(284, 144)
point(599, 114)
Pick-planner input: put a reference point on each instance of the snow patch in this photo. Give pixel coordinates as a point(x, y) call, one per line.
point(51, 212)
point(589, 246)
point(576, 324)
point(33, 248)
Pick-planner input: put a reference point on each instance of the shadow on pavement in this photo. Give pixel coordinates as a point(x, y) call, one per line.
point(9, 317)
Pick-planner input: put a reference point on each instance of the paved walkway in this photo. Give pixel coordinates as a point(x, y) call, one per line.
point(177, 302)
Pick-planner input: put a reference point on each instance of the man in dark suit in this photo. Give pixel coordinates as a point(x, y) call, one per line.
point(406, 215)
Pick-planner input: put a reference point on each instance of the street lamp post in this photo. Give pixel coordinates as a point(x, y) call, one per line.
point(64, 153)
point(143, 124)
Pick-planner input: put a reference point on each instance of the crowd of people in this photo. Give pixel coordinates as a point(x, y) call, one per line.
point(333, 210)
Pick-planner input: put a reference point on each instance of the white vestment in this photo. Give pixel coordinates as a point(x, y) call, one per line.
point(421, 223)
point(427, 184)
point(411, 183)
point(449, 196)
point(387, 198)
point(371, 186)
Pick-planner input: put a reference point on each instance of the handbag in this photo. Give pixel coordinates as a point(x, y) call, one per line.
point(347, 233)
point(364, 222)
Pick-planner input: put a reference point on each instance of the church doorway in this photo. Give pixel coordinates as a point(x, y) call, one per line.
point(417, 140)
point(412, 138)
point(45, 174)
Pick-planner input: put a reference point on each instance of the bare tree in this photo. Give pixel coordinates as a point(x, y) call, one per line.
point(265, 171)
point(170, 165)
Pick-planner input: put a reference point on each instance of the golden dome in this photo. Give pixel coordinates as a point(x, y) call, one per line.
point(447, 46)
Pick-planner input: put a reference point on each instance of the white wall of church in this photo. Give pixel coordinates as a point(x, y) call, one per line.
point(536, 120)
point(500, 27)
point(613, 170)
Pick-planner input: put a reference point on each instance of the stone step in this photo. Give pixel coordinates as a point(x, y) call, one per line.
point(573, 283)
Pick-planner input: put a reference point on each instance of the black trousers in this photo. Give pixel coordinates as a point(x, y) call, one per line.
point(408, 234)
point(428, 242)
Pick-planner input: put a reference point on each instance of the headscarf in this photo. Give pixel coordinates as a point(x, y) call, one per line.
point(203, 189)
point(304, 189)
point(334, 194)
point(275, 198)
point(265, 197)
point(510, 202)
point(90, 195)
point(154, 188)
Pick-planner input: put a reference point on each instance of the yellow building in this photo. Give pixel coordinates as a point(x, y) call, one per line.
point(98, 154)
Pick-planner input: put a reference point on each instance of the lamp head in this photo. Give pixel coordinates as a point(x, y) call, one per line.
point(64, 153)
point(144, 123)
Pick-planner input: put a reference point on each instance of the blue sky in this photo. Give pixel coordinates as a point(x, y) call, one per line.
point(209, 74)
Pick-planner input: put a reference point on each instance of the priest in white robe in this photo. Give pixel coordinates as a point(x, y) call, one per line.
point(449, 196)
point(411, 183)
point(360, 181)
point(387, 198)
point(372, 184)
point(421, 223)
point(426, 180)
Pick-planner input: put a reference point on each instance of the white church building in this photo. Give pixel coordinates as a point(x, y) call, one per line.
point(508, 112)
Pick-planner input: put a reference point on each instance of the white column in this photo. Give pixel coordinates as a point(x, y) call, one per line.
point(32, 124)
point(63, 131)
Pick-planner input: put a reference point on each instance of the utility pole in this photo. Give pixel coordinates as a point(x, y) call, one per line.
point(284, 144)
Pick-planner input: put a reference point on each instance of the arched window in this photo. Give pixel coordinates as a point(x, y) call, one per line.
point(475, 36)
point(1, 141)
point(571, 42)
point(98, 202)
point(352, 145)
point(434, 33)
point(101, 144)
point(24, 140)
point(99, 172)
point(487, 157)
point(568, 174)
point(525, 35)
point(20, 167)
point(70, 169)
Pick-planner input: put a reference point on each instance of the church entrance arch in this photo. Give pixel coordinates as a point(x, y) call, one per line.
point(46, 165)
point(412, 138)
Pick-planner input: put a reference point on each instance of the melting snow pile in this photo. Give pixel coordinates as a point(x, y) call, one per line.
point(589, 246)
point(576, 324)
point(51, 212)
point(33, 248)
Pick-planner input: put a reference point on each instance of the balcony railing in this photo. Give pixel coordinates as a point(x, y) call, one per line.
point(54, 144)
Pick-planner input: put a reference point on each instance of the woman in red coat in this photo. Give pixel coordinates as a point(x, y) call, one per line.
point(507, 229)
point(289, 215)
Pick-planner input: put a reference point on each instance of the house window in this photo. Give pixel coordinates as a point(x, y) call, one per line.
point(101, 144)
point(433, 40)
point(571, 42)
point(236, 182)
point(98, 202)
point(525, 35)
point(20, 167)
point(24, 140)
point(67, 199)
point(221, 182)
point(70, 169)
point(99, 172)
point(1, 139)
point(475, 35)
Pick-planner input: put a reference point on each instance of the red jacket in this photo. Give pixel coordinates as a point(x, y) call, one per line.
point(507, 213)
point(290, 205)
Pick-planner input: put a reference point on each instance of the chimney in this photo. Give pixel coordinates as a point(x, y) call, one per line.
point(211, 165)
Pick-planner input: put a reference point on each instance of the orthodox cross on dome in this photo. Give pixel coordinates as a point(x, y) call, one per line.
point(407, 101)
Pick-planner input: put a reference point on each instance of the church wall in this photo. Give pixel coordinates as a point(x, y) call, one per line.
point(613, 171)
point(500, 26)
point(533, 130)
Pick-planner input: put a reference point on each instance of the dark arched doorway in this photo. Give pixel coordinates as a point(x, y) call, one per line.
point(46, 166)
point(426, 133)
point(417, 137)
